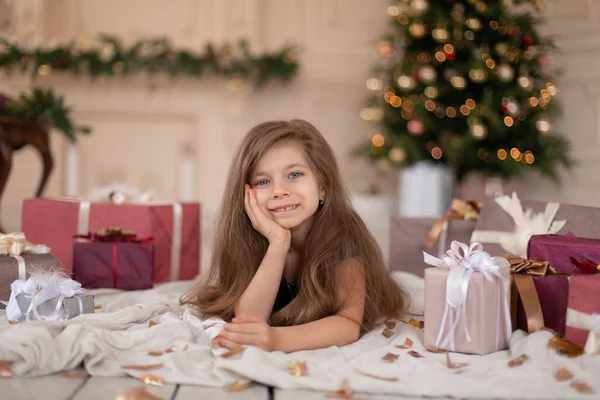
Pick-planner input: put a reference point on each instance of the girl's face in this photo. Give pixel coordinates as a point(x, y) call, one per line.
point(286, 188)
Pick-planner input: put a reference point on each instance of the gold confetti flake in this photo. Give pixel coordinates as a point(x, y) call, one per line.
point(146, 367)
point(151, 323)
point(406, 345)
point(415, 354)
point(6, 369)
point(155, 353)
point(186, 347)
point(415, 323)
point(382, 378)
point(237, 386)
point(563, 374)
point(391, 324)
point(297, 368)
point(14, 322)
point(343, 392)
point(152, 380)
point(582, 387)
point(454, 365)
point(233, 352)
point(387, 333)
point(79, 374)
point(434, 350)
point(137, 393)
point(516, 362)
point(170, 349)
point(565, 347)
point(390, 357)
point(97, 307)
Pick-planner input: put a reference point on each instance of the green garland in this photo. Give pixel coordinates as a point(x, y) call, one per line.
point(41, 106)
point(109, 57)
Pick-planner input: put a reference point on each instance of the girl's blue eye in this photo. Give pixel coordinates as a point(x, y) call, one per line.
point(261, 182)
point(295, 175)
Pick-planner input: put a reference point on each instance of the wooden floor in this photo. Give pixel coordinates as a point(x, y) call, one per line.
point(57, 387)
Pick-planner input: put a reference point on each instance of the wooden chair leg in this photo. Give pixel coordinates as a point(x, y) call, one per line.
point(48, 166)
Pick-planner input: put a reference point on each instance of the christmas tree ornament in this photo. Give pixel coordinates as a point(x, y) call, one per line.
point(374, 84)
point(415, 127)
point(525, 82)
point(406, 82)
point(551, 89)
point(419, 7)
point(477, 128)
point(440, 34)
point(458, 82)
point(543, 125)
point(385, 49)
point(469, 35)
point(416, 30)
point(501, 49)
point(397, 154)
point(478, 75)
point(474, 24)
point(431, 92)
point(427, 74)
point(505, 72)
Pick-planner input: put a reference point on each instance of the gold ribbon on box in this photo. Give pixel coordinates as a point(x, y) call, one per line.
point(15, 244)
point(590, 322)
point(459, 209)
point(527, 223)
point(522, 272)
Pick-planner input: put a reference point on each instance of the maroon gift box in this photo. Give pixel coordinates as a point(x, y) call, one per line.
point(584, 297)
point(54, 222)
point(121, 265)
point(567, 253)
point(553, 295)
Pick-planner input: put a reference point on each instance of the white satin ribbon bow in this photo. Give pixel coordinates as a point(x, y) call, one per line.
point(527, 223)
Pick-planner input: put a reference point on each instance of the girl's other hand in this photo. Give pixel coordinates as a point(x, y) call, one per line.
point(246, 331)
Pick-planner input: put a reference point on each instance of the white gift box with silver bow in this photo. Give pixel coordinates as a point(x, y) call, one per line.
point(47, 296)
point(467, 301)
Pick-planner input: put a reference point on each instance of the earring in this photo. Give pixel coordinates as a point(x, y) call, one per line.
point(322, 201)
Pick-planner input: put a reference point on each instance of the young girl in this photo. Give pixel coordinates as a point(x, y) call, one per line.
point(294, 267)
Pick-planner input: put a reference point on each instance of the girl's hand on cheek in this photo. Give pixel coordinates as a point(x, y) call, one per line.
point(270, 229)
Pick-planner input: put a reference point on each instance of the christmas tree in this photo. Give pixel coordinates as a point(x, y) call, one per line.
point(468, 83)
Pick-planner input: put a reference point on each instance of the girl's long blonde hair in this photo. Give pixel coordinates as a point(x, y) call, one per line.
point(337, 233)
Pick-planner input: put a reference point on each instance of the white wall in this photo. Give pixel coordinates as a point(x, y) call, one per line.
point(142, 128)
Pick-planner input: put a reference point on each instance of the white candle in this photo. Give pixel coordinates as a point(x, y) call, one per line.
point(72, 171)
point(187, 175)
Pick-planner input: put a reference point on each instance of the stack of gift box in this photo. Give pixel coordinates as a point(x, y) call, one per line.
point(103, 244)
point(508, 265)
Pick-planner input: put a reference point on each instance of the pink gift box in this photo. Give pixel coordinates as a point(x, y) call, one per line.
point(485, 319)
point(55, 221)
point(584, 297)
